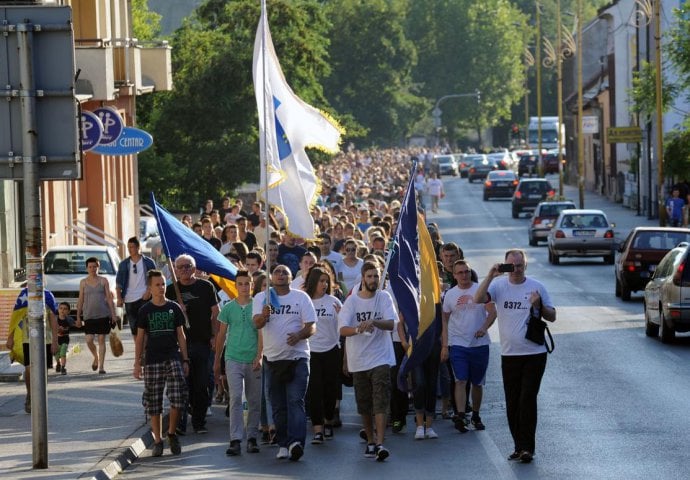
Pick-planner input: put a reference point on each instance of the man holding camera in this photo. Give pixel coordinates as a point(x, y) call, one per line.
point(522, 361)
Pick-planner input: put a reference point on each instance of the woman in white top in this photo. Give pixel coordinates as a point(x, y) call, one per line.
point(325, 363)
point(351, 268)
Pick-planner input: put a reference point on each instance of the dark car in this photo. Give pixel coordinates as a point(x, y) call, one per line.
point(528, 194)
point(549, 162)
point(500, 183)
point(480, 166)
point(640, 254)
point(544, 215)
point(528, 165)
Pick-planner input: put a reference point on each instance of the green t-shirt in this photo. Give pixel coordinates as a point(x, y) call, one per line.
point(241, 341)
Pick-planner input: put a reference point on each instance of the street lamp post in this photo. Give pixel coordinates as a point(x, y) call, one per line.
point(580, 112)
point(437, 112)
point(538, 62)
point(659, 118)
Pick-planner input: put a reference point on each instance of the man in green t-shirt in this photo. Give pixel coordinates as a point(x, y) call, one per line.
point(242, 364)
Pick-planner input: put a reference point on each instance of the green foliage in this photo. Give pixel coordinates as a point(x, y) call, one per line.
point(145, 23)
point(677, 153)
point(372, 62)
point(643, 91)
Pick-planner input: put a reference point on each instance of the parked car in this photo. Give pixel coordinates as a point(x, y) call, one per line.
point(64, 267)
point(528, 194)
point(528, 165)
point(581, 233)
point(500, 183)
point(445, 165)
point(545, 214)
point(640, 254)
point(480, 166)
point(667, 296)
point(463, 164)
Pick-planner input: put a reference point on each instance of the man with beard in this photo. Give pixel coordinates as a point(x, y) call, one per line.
point(366, 319)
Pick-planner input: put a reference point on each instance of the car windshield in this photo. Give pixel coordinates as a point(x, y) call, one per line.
point(75, 262)
point(659, 240)
point(584, 220)
point(445, 160)
point(480, 162)
point(473, 158)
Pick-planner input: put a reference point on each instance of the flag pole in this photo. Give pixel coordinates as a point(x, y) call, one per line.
point(263, 139)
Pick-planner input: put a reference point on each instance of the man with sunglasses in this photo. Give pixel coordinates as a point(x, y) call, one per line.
point(201, 307)
point(130, 282)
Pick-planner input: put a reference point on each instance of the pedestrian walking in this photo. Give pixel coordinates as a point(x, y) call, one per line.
point(130, 282)
point(523, 362)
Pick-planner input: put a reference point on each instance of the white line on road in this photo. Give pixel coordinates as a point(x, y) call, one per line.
point(497, 459)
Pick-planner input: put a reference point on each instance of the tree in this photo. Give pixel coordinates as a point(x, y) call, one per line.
point(146, 25)
point(372, 62)
point(206, 129)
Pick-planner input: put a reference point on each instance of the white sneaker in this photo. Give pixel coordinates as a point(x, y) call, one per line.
point(419, 434)
point(209, 412)
point(430, 433)
point(282, 453)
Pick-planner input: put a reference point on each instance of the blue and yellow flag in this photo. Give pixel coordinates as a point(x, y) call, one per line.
point(19, 321)
point(177, 239)
point(414, 278)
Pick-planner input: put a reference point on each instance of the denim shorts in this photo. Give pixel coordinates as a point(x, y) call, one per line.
point(470, 363)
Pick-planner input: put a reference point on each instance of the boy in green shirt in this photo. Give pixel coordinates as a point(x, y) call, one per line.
point(242, 364)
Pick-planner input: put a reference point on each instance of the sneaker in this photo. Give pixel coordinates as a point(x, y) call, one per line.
point(363, 435)
point(514, 456)
point(477, 422)
point(282, 453)
point(328, 432)
point(63, 371)
point(180, 432)
point(318, 439)
point(234, 449)
point(202, 429)
point(468, 408)
point(157, 449)
point(370, 451)
point(430, 434)
point(101, 372)
point(461, 425)
point(382, 453)
point(419, 433)
point(265, 438)
point(209, 412)
point(252, 446)
point(58, 368)
point(398, 426)
point(296, 451)
point(526, 457)
point(174, 443)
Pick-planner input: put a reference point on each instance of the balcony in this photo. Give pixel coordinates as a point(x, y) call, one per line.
point(156, 65)
point(95, 60)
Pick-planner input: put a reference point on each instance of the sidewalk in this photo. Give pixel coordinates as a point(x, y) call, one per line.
point(96, 423)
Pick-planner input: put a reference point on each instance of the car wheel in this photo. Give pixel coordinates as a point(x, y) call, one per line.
point(667, 333)
point(516, 212)
point(532, 241)
point(625, 292)
point(555, 259)
point(608, 259)
point(618, 288)
point(650, 329)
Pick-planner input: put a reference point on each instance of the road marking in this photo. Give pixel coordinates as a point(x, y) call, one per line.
point(499, 461)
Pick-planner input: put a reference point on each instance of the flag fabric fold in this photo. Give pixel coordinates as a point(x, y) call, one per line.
point(414, 279)
point(177, 239)
point(287, 126)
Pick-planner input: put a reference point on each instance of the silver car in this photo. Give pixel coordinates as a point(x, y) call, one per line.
point(667, 296)
point(581, 233)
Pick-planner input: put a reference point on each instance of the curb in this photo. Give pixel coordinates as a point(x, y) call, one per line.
point(128, 451)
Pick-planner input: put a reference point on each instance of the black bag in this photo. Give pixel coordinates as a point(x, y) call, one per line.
point(283, 370)
point(537, 331)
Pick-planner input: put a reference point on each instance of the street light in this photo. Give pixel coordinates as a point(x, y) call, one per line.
point(437, 112)
point(580, 112)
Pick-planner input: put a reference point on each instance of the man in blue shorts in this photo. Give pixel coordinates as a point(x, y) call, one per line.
point(466, 341)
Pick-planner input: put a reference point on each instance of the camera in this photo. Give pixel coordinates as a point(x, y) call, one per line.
point(506, 267)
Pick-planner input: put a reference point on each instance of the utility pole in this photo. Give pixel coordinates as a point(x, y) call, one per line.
point(580, 110)
point(537, 52)
point(659, 117)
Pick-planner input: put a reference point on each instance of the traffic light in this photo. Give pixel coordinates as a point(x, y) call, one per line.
point(515, 131)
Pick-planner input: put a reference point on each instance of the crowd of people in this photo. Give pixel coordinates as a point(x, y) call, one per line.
point(311, 317)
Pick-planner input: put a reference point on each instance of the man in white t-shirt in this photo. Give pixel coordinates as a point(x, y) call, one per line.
point(465, 340)
point(434, 186)
point(326, 245)
point(286, 322)
point(522, 361)
point(305, 263)
point(366, 320)
point(130, 282)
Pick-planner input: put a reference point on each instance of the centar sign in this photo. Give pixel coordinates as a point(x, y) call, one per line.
point(131, 140)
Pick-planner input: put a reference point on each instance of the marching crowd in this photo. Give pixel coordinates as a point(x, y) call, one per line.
point(284, 353)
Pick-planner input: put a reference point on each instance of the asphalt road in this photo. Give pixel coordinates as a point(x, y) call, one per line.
point(613, 403)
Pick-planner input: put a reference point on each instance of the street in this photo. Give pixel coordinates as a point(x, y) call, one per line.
point(612, 402)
